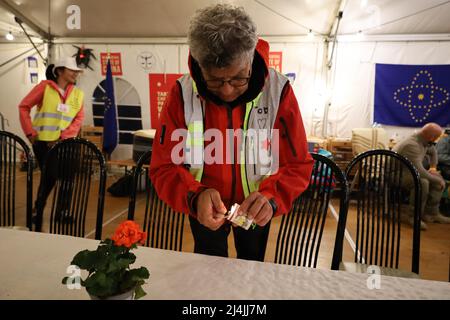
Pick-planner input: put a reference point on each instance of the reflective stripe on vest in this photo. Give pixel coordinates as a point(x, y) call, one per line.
point(48, 121)
point(259, 120)
point(58, 115)
point(248, 186)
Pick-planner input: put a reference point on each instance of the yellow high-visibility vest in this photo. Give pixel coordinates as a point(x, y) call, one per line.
point(48, 121)
point(259, 121)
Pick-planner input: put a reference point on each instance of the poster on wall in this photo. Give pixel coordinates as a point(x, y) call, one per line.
point(116, 63)
point(32, 64)
point(160, 85)
point(275, 60)
point(146, 60)
point(34, 78)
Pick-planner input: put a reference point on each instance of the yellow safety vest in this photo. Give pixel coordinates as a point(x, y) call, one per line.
point(48, 121)
point(259, 120)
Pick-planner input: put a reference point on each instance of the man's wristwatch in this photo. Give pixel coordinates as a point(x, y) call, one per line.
point(274, 205)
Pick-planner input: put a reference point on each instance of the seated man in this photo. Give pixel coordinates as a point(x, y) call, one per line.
point(416, 148)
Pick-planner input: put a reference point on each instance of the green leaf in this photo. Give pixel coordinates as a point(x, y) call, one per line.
point(119, 264)
point(134, 277)
point(141, 273)
point(139, 292)
point(84, 259)
point(101, 285)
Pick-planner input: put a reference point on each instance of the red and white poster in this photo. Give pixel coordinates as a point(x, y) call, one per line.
point(116, 63)
point(160, 85)
point(275, 60)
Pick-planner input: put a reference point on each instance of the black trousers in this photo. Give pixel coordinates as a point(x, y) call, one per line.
point(40, 149)
point(250, 244)
point(47, 183)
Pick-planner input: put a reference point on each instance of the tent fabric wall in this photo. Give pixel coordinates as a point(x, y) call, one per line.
point(303, 59)
point(352, 100)
point(166, 61)
point(351, 91)
point(15, 80)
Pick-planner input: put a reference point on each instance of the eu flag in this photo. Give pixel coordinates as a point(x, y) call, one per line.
point(109, 118)
point(412, 95)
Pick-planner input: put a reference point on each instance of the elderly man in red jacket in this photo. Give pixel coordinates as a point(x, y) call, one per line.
point(230, 132)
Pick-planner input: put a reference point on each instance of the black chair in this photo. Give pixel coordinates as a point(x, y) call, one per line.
point(68, 172)
point(377, 177)
point(11, 148)
point(163, 225)
point(300, 233)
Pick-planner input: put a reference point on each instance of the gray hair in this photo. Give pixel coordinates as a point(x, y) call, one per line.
point(220, 34)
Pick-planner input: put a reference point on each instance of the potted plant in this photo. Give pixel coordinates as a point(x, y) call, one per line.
point(109, 265)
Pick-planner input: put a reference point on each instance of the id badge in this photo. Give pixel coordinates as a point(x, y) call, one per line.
point(63, 107)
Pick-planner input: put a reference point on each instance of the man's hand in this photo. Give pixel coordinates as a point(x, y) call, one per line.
point(436, 173)
point(210, 209)
point(257, 208)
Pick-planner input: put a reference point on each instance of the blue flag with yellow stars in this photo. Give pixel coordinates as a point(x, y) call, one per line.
point(412, 95)
point(110, 118)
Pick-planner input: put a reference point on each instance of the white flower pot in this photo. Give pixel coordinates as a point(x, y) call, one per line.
point(129, 295)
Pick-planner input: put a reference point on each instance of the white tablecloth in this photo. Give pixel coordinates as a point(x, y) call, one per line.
point(33, 264)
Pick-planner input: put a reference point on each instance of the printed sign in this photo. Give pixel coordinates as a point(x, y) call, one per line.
point(116, 63)
point(160, 85)
point(275, 60)
point(32, 62)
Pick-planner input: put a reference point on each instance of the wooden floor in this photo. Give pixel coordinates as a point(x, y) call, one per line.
point(435, 242)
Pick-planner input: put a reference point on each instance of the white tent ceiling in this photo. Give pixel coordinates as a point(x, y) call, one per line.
point(170, 18)
point(335, 80)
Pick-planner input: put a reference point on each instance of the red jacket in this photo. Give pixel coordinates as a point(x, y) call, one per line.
point(176, 186)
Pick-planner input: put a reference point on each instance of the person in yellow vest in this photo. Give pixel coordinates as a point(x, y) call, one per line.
point(59, 113)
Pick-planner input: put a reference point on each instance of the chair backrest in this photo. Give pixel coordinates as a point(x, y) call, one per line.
point(164, 226)
point(301, 230)
point(72, 165)
point(12, 147)
point(377, 177)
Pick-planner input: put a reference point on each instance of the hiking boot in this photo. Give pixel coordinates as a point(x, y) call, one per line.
point(437, 218)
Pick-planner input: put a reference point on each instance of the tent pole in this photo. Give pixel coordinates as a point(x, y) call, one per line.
point(328, 64)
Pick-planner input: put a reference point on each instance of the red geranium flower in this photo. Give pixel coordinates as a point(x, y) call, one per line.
point(128, 233)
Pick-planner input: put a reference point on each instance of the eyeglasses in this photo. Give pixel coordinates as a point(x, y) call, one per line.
point(235, 82)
